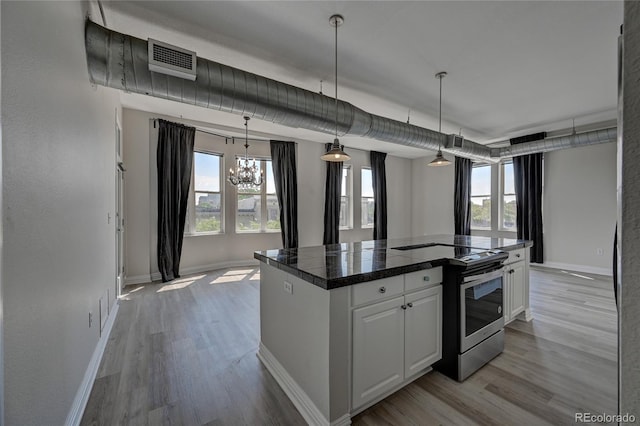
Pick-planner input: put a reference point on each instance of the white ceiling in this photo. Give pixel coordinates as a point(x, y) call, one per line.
point(514, 67)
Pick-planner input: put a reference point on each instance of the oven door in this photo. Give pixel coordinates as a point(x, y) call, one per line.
point(480, 308)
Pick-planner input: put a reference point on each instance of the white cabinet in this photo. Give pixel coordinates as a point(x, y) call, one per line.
point(378, 349)
point(422, 330)
point(394, 340)
point(516, 286)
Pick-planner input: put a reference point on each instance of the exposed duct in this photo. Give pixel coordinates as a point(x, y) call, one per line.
point(560, 142)
point(121, 61)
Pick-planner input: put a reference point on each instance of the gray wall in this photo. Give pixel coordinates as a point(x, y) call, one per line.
point(579, 210)
point(629, 206)
point(580, 207)
point(58, 188)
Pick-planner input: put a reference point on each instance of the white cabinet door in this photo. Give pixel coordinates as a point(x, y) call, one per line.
point(517, 291)
point(378, 349)
point(423, 330)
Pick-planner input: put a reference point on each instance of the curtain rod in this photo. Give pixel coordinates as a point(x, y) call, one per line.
point(226, 138)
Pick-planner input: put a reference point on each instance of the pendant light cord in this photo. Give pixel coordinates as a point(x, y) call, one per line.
point(336, 73)
point(440, 111)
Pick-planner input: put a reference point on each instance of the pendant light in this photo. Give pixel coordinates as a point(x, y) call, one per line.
point(246, 176)
point(336, 154)
point(440, 160)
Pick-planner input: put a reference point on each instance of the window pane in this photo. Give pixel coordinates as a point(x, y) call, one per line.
point(367, 212)
point(509, 212)
point(344, 212)
point(481, 180)
point(248, 214)
point(509, 187)
point(273, 212)
point(481, 212)
point(271, 183)
point(207, 172)
point(367, 186)
point(207, 212)
point(345, 176)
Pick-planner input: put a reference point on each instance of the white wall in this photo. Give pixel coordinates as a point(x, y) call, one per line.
point(59, 186)
point(579, 207)
point(210, 251)
point(432, 201)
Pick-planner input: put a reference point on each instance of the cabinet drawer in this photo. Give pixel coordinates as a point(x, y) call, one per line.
point(376, 290)
point(515, 256)
point(422, 279)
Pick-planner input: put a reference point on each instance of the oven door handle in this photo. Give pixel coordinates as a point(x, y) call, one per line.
point(472, 279)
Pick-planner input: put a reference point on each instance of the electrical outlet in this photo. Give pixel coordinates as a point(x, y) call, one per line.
point(288, 287)
point(600, 252)
point(90, 319)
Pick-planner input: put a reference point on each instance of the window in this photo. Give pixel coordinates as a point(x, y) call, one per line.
point(258, 209)
point(481, 197)
point(345, 199)
point(366, 198)
point(508, 205)
point(204, 212)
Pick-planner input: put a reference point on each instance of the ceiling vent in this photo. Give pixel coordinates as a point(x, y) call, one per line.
point(455, 141)
point(172, 60)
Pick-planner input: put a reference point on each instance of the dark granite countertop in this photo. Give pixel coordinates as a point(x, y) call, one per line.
point(343, 264)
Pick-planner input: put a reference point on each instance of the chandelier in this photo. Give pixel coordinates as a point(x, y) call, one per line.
point(246, 175)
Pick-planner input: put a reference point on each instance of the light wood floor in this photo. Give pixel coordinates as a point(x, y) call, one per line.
point(183, 353)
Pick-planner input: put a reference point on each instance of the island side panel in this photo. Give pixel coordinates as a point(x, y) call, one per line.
point(295, 329)
point(340, 353)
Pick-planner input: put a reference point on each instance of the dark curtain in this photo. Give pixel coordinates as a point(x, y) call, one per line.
point(379, 180)
point(174, 162)
point(332, 194)
point(462, 196)
point(283, 161)
point(527, 176)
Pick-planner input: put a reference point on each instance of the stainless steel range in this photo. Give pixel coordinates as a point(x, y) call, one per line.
point(473, 320)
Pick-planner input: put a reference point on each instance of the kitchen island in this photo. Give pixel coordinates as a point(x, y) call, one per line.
point(345, 325)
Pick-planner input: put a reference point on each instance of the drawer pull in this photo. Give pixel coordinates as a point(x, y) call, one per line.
point(410, 305)
point(382, 290)
point(517, 254)
point(426, 278)
point(404, 307)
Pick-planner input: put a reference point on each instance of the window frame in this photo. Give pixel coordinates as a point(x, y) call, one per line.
point(348, 184)
point(264, 161)
point(190, 225)
point(502, 194)
point(483, 196)
point(362, 197)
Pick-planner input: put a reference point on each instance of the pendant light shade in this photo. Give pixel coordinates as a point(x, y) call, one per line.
point(336, 153)
point(440, 160)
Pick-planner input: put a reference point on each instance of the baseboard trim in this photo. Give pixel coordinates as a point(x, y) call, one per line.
point(84, 391)
point(576, 268)
point(155, 276)
point(137, 279)
point(300, 399)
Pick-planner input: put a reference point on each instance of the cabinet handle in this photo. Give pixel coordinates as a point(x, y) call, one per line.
point(426, 278)
point(404, 307)
point(511, 271)
point(517, 254)
point(410, 305)
point(382, 290)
